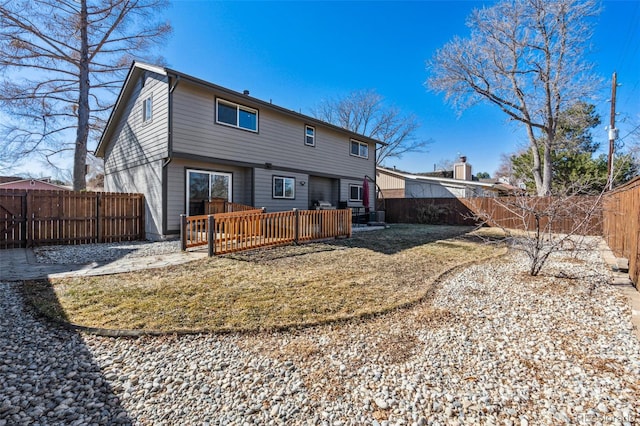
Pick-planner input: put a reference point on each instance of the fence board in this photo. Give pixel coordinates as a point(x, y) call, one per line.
point(621, 228)
point(41, 217)
point(501, 211)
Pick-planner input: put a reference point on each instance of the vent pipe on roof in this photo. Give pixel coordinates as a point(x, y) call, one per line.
point(245, 92)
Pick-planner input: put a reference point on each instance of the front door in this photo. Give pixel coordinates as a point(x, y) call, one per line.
point(202, 186)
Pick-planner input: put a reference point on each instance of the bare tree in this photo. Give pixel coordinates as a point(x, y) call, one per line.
point(364, 112)
point(505, 170)
point(527, 58)
point(541, 226)
point(62, 60)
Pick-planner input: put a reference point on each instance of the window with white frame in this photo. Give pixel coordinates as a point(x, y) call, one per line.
point(235, 115)
point(147, 109)
point(355, 192)
point(359, 149)
point(284, 187)
point(309, 135)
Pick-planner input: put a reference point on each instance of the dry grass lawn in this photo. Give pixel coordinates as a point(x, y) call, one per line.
point(267, 289)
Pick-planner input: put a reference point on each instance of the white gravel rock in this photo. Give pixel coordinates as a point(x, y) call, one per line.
point(491, 346)
point(88, 253)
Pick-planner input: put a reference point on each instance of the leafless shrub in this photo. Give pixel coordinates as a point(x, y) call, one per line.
point(541, 226)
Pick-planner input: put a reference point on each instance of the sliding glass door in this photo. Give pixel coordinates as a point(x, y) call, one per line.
point(202, 186)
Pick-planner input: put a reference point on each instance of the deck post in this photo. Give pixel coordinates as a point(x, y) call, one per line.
point(183, 232)
point(296, 234)
point(211, 236)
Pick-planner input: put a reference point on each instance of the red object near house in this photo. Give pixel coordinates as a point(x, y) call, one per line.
point(365, 194)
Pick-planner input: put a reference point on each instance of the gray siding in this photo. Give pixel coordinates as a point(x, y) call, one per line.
point(264, 191)
point(280, 140)
point(145, 179)
point(344, 193)
point(177, 188)
point(135, 142)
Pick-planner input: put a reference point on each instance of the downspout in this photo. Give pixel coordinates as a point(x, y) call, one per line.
point(167, 160)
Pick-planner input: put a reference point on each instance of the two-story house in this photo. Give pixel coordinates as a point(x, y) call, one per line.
point(181, 141)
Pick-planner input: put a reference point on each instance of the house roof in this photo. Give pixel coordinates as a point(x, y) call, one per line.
point(27, 183)
point(5, 179)
point(137, 68)
point(435, 179)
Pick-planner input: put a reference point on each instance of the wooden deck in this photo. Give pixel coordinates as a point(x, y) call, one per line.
point(250, 229)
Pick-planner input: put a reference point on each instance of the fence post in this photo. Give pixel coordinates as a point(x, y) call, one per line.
point(183, 232)
point(211, 236)
point(296, 234)
point(142, 212)
point(30, 219)
point(99, 218)
point(24, 225)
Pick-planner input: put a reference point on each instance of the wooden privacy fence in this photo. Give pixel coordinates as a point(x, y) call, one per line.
point(621, 228)
point(41, 217)
point(579, 214)
point(230, 232)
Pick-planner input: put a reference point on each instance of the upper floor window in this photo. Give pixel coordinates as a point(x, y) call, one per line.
point(147, 109)
point(284, 187)
point(309, 135)
point(355, 192)
point(235, 115)
point(359, 149)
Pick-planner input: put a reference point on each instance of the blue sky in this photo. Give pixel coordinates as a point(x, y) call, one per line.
point(297, 53)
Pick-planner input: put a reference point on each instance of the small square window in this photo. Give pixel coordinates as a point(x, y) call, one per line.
point(147, 109)
point(284, 187)
point(355, 192)
point(309, 135)
point(359, 149)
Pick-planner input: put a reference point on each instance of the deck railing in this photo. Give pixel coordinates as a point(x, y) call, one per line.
point(220, 205)
point(236, 231)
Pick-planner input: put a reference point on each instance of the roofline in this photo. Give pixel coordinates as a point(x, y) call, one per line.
point(174, 73)
point(33, 179)
point(437, 179)
point(274, 107)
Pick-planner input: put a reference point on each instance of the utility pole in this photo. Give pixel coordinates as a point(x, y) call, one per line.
point(613, 132)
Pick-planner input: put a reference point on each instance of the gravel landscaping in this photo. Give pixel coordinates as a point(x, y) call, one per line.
point(88, 253)
point(490, 346)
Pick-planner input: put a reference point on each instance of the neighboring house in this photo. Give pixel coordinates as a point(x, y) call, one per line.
point(181, 141)
point(397, 184)
point(40, 183)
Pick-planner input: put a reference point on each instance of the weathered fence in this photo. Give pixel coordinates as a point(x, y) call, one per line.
point(230, 232)
point(578, 214)
point(621, 228)
point(41, 217)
